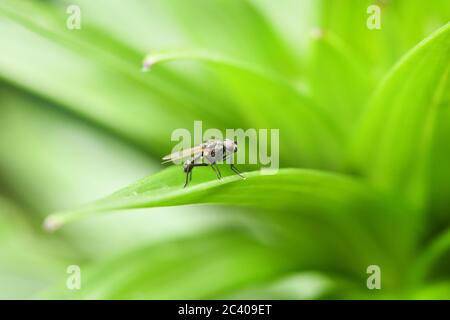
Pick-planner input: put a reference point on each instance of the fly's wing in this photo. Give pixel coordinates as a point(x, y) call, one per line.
point(183, 154)
point(213, 144)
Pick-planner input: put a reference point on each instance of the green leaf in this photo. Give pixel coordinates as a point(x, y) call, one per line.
point(236, 29)
point(393, 140)
point(440, 168)
point(288, 188)
point(402, 25)
point(291, 21)
point(29, 260)
point(200, 267)
point(45, 155)
point(429, 258)
point(433, 291)
point(103, 80)
point(309, 208)
point(298, 286)
point(347, 20)
point(74, 82)
point(250, 96)
point(309, 135)
point(340, 81)
point(57, 154)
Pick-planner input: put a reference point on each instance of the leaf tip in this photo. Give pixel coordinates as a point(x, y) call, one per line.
point(51, 224)
point(148, 62)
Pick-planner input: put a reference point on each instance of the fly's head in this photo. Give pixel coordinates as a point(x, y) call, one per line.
point(230, 145)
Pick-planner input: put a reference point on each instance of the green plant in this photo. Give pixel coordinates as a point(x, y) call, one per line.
point(363, 118)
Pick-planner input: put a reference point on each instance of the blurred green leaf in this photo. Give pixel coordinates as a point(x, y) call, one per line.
point(440, 168)
point(431, 257)
point(200, 267)
point(319, 206)
point(291, 21)
point(403, 24)
point(309, 135)
point(339, 80)
point(99, 84)
point(57, 153)
point(434, 291)
point(29, 260)
point(300, 233)
point(392, 143)
point(300, 286)
point(347, 20)
point(237, 29)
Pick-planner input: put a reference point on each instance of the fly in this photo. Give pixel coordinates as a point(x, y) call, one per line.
point(206, 154)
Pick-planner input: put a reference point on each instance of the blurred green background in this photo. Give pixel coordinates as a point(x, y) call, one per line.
point(364, 125)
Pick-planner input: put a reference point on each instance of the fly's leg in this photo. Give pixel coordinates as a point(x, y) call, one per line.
point(233, 167)
point(187, 167)
point(235, 170)
point(188, 177)
point(216, 171)
point(189, 172)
